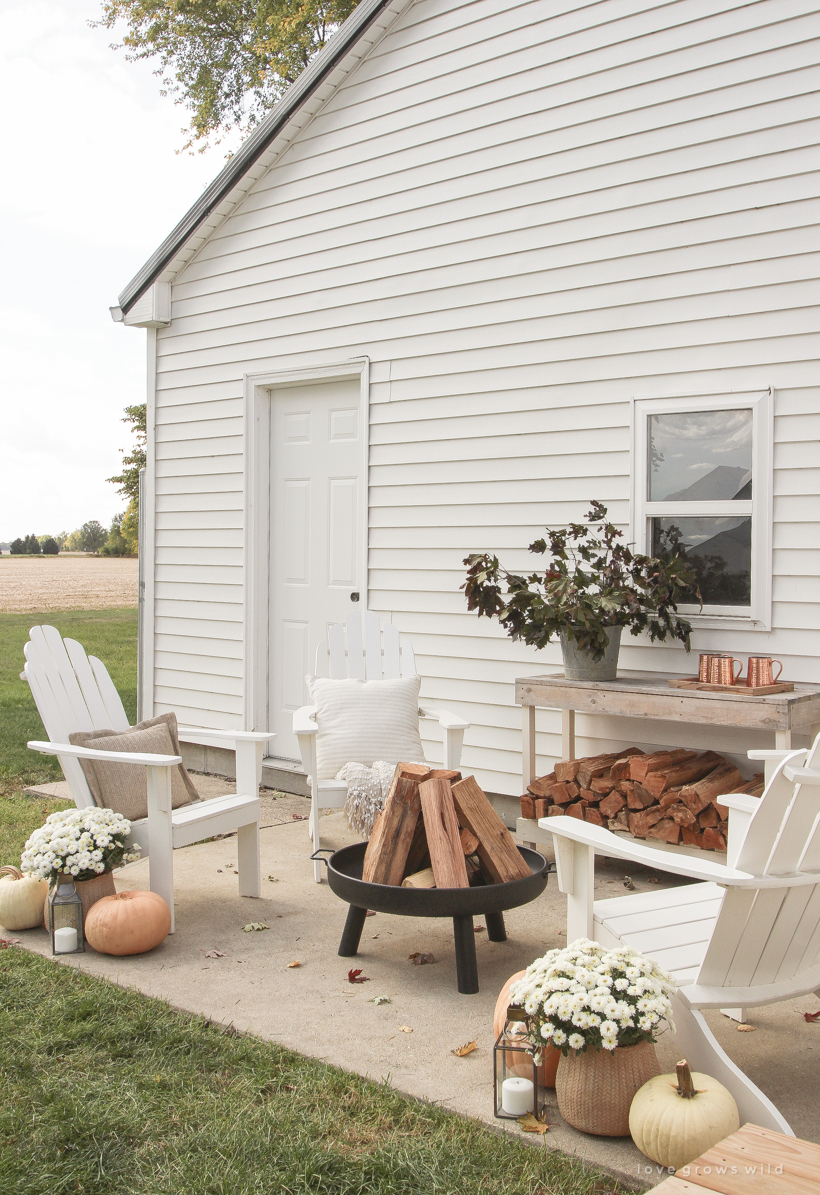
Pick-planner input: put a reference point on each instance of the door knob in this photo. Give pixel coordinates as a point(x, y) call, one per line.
point(354, 597)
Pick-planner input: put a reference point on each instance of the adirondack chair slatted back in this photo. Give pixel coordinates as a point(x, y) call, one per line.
point(772, 935)
point(72, 691)
point(379, 654)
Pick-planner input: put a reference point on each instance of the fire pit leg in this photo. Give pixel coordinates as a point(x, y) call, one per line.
point(495, 927)
point(466, 965)
point(352, 932)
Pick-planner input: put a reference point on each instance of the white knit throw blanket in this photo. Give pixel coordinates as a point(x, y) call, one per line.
point(367, 789)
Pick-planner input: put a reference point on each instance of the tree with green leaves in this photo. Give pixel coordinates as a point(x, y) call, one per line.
point(128, 482)
point(49, 546)
point(226, 61)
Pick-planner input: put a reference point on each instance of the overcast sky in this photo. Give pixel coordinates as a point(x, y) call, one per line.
point(91, 185)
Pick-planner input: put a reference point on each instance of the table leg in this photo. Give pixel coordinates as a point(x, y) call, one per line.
point(352, 932)
point(783, 740)
point(568, 734)
point(528, 743)
point(495, 927)
point(466, 965)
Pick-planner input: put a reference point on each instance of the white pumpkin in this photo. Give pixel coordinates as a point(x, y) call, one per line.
point(675, 1118)
point(21, 899)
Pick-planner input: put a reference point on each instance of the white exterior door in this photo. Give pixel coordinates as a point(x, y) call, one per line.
point(318, 525)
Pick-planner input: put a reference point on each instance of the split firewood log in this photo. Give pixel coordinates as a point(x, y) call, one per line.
point(724, 779)
point(561, 794)
point(589, 797)
point(445, 774)
point(541, 806)
point(542, 786)
point(500, 857)
point(576, 809)
point(755, 786)
point(639, 798)
point(421, 879)
point(573, 789)
point(708, 817)
point(443, 836)
point(658, 761)
point(592, 815)
point(666, 830)
point(669, 798)
point(641, 823)
point(527, 805)
point(469, 842)
point(602, 784)
point(567, 769)
point(596, 765)
point(620, 821)
point(612, 805)
point(691, 837)
point(387, 851)
point(683, 816)
point(713, 840)
point(620, 768)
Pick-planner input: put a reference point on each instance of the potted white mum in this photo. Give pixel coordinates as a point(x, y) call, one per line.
point(603, 1009)
point(83, 844)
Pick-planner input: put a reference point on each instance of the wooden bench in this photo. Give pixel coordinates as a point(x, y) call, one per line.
point(753, 1161)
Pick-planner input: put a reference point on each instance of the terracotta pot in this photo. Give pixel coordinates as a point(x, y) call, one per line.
point(89, 892)
point(595, 1089)
point(515, 1064)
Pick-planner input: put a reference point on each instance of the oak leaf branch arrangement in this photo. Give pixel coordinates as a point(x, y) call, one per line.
point(593, 582)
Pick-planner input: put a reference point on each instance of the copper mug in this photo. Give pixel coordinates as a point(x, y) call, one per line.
point(759, 671)
point(722, 670)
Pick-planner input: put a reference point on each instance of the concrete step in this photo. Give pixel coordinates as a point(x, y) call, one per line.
point(285, 775)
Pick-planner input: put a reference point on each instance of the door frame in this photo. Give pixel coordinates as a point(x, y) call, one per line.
point(256, 503)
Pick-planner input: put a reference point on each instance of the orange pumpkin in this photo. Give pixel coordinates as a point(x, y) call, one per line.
point(128, 923)
point(515, 1063)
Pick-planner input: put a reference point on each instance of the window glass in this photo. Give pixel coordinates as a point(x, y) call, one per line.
point(720, 549)
point(698, 456)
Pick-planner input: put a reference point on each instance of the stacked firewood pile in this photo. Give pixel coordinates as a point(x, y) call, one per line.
point(672, 796)
point(437, 830)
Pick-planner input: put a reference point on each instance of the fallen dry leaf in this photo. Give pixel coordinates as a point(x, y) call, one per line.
point(6, 942)
point(419, 959)
point(532, 1124)
point(253, 926)
point(272, 879)
point(466, 1049)
point(299, 817)
point(745, 1028)
point(214, 953)
point(382, 1000)
point(295, 963)
point(355, 976)
point(812, 1016)
point(478, 929)
point(405, 1029)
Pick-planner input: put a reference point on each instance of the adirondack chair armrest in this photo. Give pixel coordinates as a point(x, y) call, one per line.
point(191, 734)
point(576, 844)
point(146, 760)
point(741, 807)
point(801, 775)
point(303, 720)
point(445, 719)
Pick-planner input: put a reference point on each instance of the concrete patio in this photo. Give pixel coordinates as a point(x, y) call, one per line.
point(313, 1008)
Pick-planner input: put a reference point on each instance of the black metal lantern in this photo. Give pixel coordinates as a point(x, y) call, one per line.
point(518, 1082)
point(66, 916)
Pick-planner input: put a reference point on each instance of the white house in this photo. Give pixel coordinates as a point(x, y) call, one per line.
point(485, 261)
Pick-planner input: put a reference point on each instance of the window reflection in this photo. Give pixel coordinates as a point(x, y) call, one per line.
point(720, 550)
point(698, 456)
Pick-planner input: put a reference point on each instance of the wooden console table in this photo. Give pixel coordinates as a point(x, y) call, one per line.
point(648, 695)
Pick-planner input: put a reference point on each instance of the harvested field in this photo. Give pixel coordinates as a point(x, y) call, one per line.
point(67, 583)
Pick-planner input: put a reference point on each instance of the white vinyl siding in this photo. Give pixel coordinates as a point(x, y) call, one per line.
point(524, 215)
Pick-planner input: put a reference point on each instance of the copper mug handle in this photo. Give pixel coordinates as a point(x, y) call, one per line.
point(736, 675)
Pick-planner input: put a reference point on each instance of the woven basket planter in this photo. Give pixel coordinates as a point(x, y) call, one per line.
point(89, 892)
point(596, 1088)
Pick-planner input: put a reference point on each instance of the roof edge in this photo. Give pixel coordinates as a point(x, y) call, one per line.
point(253, 147)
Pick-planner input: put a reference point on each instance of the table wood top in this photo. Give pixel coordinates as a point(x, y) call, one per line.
point(753, 1161)
point(648, 695)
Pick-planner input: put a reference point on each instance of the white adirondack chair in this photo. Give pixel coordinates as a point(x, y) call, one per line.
point(73, 692)
point(379, 654)
point(747, 935)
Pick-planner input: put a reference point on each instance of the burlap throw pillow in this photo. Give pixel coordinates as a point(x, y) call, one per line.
point(362, 721)
point(123, 787)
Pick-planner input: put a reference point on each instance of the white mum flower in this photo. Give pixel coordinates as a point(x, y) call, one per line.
point(576, 1041)
point(558, 1037)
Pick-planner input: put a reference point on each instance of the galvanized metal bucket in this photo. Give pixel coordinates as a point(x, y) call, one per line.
point(579, 665)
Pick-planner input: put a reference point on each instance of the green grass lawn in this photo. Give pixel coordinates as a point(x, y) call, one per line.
point(103, 1090)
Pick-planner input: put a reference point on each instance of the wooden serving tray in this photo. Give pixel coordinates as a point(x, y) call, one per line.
point(740, 688)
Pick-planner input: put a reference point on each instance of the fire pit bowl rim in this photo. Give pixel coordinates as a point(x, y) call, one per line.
point(344, 870)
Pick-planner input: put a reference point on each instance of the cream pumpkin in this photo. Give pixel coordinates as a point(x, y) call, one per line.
point(21, 899)
point(128, 923)
point(675, 1118)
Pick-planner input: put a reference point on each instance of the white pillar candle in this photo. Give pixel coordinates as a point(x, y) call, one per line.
point(65, 940)
point(517, 1096)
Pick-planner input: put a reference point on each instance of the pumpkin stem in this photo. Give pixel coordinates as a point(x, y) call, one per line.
point(686, 1086)
point(14, 872)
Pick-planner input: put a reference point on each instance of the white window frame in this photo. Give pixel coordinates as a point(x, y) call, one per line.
point(758, 616)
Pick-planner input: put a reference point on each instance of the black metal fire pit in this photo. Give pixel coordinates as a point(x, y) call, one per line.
point(344, 875)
